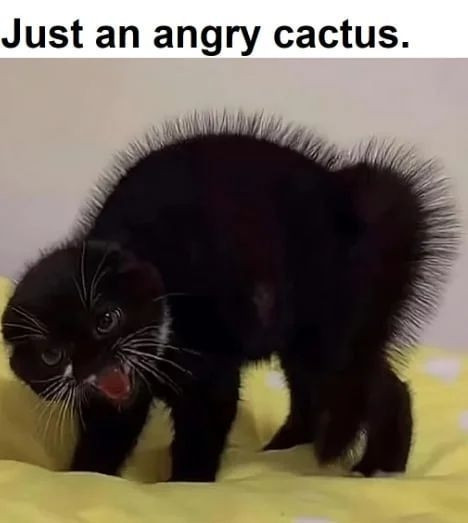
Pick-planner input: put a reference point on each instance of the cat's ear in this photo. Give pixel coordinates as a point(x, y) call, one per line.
point(141, 278)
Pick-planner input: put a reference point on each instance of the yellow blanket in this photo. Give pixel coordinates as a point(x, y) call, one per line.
point(255, 487)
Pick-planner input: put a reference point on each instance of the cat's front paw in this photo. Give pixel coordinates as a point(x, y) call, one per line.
point(193, 476)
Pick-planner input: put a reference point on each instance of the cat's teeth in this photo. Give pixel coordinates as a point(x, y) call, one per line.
point(126, 368)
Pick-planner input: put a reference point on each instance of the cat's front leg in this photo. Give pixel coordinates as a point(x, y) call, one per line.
point(202, 420)
point(108, 433)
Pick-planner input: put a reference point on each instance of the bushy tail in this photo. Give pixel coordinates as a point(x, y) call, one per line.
point(411, 232)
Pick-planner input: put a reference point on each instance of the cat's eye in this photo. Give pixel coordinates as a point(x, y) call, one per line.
point(107, 322)
point(52, 356)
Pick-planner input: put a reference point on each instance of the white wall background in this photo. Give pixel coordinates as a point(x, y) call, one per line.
point(61, 121)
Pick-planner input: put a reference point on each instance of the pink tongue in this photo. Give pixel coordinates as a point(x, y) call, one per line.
point(114, 383)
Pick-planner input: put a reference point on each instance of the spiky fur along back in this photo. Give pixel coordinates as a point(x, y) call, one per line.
point(428, 189)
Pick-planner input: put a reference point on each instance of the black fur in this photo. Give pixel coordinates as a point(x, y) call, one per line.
point(256, 237)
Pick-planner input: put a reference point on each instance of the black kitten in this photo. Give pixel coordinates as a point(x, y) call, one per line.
point(216, 243)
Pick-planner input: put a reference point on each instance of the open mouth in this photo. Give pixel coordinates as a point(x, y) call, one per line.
point(115, 383)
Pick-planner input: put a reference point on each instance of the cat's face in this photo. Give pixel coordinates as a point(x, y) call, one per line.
point(89, 319)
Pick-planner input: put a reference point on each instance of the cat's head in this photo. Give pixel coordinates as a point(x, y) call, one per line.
point(88, 319)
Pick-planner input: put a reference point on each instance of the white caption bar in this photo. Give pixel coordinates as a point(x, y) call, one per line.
point(248, 29)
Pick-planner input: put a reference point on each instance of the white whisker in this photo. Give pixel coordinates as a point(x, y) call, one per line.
point(80, 397)
point(73, 407)
point(132, 335)
point(98, 275)
point(33, 319)
point(48, 393)
point(128, 361)
point(78, 289)
point(156, 343)
point(22, 337)
point(159, 375)
point(28, 328)
point(56, 396)
point(83, 273)
point(42, 408)
point(49, 380)
point(182, 349)
point(155, 357)
point(62, 414)
point(169, 295)
point(61, 401)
